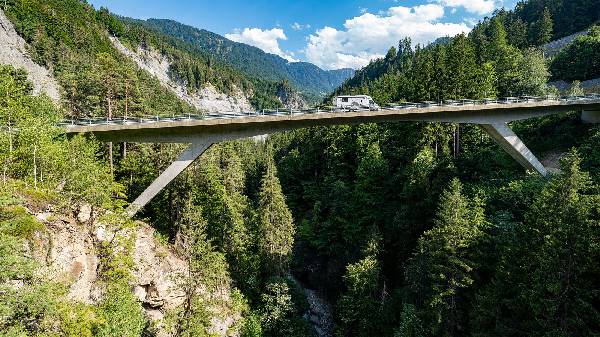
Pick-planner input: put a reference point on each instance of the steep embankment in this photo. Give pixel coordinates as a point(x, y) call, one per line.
point(554, 47)
point(205, 99)
point(13, 51)
point(70, 247)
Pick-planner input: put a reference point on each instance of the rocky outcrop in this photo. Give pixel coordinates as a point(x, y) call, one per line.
point(68, 251)
point(589, 85)
point(206, 99)
point(13, 51)
point(290, 98)
point(554, 47)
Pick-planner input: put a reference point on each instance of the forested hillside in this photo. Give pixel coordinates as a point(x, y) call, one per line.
point(307, 77)
point(429, 229)
point(404, 229)
point(72, 39)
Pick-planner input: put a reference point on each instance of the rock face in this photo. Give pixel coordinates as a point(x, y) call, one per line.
point(589, 84)
point(68, 252)
point(206, 99)
point(156, 269)
point(290, 98)
point(13, 51)
point(554, 47)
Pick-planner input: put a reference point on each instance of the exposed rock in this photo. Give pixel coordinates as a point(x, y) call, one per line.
point(551, 160)
point(554, 47)
point(290, 98)
point(69, 256)
point(564, 85)
point(85, 213)
point(319, 311)
point(13, 51)
point(206, 99)
point(67, 251)
point(156, 269)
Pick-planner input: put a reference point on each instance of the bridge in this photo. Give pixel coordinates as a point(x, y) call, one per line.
point(203, 130)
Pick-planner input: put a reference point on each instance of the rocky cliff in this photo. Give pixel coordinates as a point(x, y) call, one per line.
point(68, 251)
point(13, 51)
point(206, 99)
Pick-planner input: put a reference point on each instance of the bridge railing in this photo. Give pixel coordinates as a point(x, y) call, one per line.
point(144, 119)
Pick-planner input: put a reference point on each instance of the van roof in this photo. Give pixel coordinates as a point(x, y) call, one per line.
point(349, 96)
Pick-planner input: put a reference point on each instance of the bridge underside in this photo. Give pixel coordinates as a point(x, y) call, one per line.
point(500, 132)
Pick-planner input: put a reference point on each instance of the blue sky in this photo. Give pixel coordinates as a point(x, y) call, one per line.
point(330, 34)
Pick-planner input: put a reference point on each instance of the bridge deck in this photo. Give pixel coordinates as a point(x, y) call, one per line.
point(184, 129)
point(204, 130)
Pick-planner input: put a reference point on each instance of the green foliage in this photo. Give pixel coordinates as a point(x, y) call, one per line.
point(275, 227)
point(358, 307)
point(206, 268)
point(580, 59)
point(13, 262)
point(38, 154)
point(278, 314)
point(443, 264)
point(121, 311)
point(252, 327)
point(16, 221)
point(410, 324)
point(543, 284)
point(69, 37)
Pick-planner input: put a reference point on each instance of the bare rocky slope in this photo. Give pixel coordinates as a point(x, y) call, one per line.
point(68, 250)
point(13, 51)
point(207, 99)
point(554, 47)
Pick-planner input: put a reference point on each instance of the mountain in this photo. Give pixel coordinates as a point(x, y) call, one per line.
point(307, 77)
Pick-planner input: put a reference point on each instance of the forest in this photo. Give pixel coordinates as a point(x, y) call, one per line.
point(406, 229)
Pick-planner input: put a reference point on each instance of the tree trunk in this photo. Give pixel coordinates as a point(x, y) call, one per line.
point(126, 115)
point(110, 158)
point(110, 145)
point(34, 168)
point(457, 139)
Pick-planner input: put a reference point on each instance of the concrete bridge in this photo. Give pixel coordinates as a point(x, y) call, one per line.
point(201, 131)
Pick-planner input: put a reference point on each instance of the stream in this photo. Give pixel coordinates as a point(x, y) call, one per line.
point(319, 311)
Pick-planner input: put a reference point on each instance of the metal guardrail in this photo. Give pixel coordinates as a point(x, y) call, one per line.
point(287, 112)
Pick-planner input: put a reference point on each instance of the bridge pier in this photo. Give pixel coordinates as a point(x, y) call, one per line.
point(502, 134)
point(181, 163)
point(590, 116)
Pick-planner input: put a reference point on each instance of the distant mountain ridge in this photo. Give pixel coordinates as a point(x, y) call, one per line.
point(306, 77)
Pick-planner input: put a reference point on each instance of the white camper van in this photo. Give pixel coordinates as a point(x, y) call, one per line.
point(354, 102)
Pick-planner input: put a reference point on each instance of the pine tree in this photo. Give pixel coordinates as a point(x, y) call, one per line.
point(443, 266)
point(205, 268)
point(543, 29)
point(565, 262)
point(275, 223)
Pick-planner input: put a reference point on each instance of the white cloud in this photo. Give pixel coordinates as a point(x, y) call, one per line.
point(267, 40)
point(297, 26)
point(480, 7)
point(369, 36)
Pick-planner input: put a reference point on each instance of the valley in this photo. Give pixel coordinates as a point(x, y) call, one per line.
point(376, 223)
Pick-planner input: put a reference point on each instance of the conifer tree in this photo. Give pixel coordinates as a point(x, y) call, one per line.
point(443, 266)
point(205, 268)
point(565, 263)
point(275, 223)
point(543, 29)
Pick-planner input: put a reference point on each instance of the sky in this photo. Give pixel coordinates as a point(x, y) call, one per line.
point(330, 34)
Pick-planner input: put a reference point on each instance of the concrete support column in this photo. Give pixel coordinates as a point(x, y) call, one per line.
point(510, 142)
point(590, 116)
point(185, 159)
